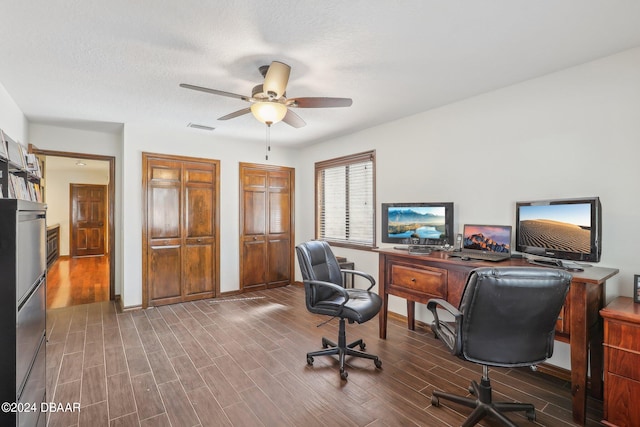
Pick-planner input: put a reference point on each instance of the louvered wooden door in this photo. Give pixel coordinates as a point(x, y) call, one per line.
point(181, 256)
point(266, 226)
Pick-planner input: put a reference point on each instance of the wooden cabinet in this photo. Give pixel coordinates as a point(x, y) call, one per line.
point(181, 229)
point(266, 226)
point(621, 363)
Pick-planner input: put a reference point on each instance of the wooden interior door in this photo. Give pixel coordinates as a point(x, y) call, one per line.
point(88, 219)
point(266, 226)
point(181, 229)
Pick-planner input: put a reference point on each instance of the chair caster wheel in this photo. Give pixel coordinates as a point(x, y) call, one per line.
point(309, 360)
point(378, 363)
point(435, 401)
point(362, 346)
point(343, 374)
point(531, 415)
point(471, 390)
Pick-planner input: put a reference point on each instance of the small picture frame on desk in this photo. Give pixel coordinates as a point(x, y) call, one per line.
point(636, 288)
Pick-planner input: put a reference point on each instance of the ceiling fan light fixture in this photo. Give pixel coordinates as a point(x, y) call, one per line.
point(269, 112)
point(276, 79)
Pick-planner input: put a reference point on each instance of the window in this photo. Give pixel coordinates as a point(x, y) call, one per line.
point(345, 200)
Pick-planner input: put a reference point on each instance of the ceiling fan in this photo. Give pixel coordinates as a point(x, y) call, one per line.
point(269, 103)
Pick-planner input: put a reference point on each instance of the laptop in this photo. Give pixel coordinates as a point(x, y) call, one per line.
point(485, 242)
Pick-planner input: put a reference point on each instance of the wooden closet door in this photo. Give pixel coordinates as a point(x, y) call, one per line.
point(266, 221)
point(199, 231)
point(180, 230)
point(279, 241)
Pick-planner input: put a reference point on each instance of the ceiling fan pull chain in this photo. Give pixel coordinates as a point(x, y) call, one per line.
point(267, 147)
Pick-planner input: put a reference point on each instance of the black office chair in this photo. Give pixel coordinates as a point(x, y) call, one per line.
point(507, 317)
point(325, 294)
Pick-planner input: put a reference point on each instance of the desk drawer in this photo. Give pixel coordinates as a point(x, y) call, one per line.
point(620, 401)
point(623, 363)
point(422, 280)
point(622, 335)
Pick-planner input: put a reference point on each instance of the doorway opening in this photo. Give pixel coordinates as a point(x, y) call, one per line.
point(74, 279)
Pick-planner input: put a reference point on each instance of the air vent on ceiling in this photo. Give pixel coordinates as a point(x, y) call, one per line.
point(201, 127)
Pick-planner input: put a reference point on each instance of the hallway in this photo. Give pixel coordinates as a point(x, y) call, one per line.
point(74, 281)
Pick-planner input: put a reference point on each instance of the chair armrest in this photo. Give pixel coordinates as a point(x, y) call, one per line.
point(319, 283)
point(449, 332)
point(362, 274)
point(433, 304)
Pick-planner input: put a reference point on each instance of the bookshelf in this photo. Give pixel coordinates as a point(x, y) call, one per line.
point(20, 172)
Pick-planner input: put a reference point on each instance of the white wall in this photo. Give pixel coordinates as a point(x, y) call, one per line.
point(57, 195)
point(573, 133)
point(12, 120)
point(141, 138)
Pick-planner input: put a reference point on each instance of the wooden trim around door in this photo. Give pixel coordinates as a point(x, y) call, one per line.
point(111, 201)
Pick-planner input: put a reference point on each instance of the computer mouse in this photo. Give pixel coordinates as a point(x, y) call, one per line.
point(465, 258)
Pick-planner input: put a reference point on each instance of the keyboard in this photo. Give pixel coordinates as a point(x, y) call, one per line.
point(483, 256)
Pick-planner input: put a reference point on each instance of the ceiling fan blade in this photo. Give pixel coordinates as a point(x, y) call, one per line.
point(276, 79)
point(214, 91)
point(236, 114)
point(319, 102)
point(292, 119)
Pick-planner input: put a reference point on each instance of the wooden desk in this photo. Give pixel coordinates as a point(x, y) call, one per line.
point(418, 278)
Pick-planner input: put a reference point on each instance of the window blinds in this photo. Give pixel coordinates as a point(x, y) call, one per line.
point(345, 199)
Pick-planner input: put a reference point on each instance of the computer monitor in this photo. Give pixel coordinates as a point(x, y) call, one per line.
point(417, 223)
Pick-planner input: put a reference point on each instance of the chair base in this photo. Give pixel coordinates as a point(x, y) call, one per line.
point(342, 349)
point(483, 405)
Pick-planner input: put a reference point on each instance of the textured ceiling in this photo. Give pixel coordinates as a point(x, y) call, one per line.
point(96, 64)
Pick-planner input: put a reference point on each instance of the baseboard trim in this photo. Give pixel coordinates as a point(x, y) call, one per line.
point(120, 305)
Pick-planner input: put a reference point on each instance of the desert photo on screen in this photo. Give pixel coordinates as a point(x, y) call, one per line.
point(554, 235)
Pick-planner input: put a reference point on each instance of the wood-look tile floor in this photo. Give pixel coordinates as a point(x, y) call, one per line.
point(241, 361)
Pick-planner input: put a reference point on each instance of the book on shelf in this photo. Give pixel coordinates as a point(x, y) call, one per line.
point(20, 188)
point(33, 164)
point(15, 152)
point(37, 192)
point(3, 146)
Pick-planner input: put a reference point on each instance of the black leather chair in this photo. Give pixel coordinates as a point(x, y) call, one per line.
point(325, 294)
point(507, 318)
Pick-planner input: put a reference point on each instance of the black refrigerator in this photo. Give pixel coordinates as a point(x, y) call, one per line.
point(23, 263)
